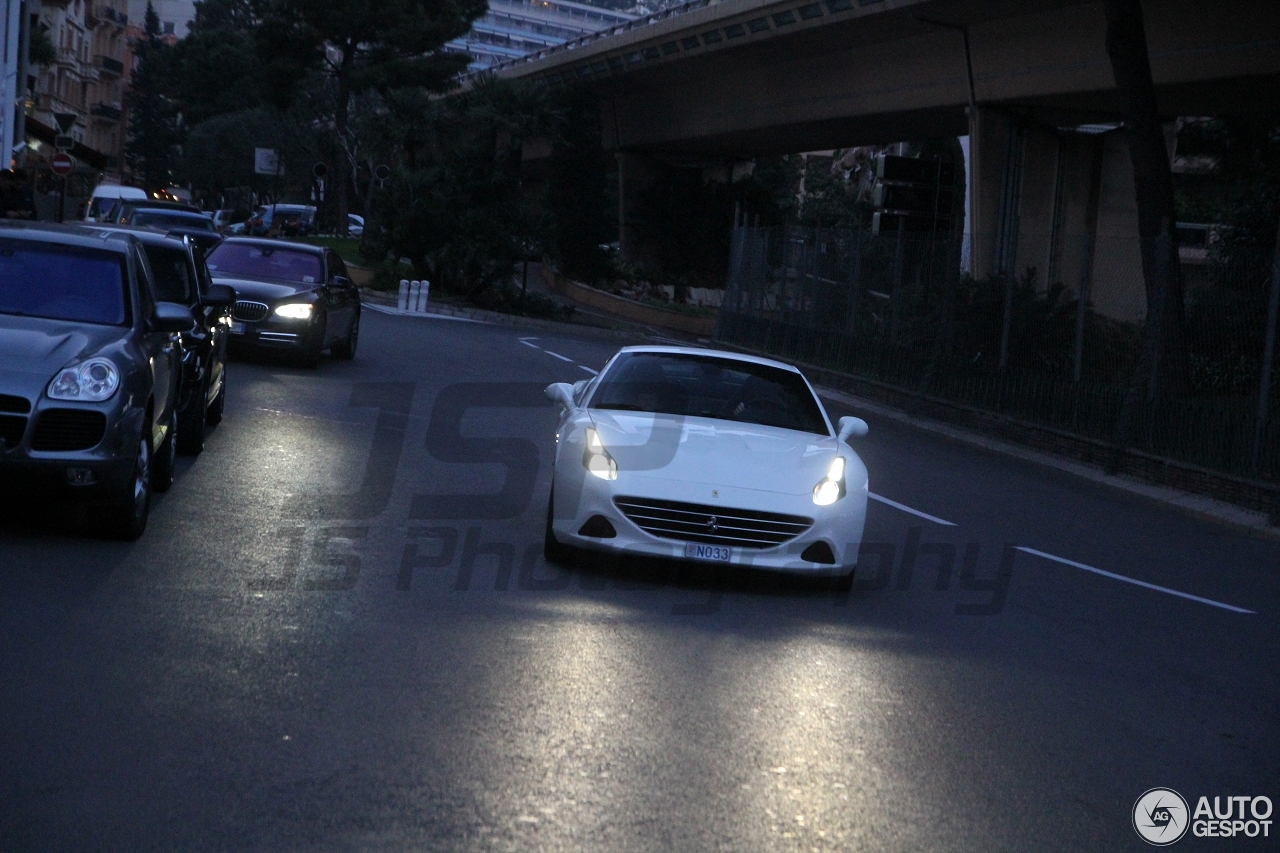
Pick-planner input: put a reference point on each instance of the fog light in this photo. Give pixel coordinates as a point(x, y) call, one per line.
point(81, 477)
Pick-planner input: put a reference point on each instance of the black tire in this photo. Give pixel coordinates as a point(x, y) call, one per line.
point(163, 463)
point(346, 348)
point(126, 516)
point(553, 550)
point(192, 420)
point(214, 414)
point(310, 357)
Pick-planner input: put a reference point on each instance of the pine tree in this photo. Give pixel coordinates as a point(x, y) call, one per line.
point(152, 148)
point(362, 46)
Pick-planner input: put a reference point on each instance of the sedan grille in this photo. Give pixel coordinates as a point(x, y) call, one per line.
point(250, 312)
point(17, 405)
point(716, 525)
point(68, 429)
point(11, 429)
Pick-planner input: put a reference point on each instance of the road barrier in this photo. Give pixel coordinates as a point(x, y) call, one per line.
point(413, 296)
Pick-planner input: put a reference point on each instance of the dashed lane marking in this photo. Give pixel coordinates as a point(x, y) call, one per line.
point(908, 509)
point(1134, 581)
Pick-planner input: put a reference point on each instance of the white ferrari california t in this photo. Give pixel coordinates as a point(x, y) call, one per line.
point(704, 455)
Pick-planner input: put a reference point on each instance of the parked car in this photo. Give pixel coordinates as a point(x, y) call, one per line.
point(288, 220)
point(222, 220)
point(105, 197)
point(355, 225)
point(123, 208)
point(181, 276)
point(290, 297)
point(90, 371)
point(181, 223)
point(699, 455)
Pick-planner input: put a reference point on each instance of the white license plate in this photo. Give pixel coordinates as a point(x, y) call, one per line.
point(716, 553)
point(237, 328)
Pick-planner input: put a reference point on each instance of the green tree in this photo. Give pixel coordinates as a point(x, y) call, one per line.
point(216, 69)
point(152, 147)
point(456, 205)
point(361, 46)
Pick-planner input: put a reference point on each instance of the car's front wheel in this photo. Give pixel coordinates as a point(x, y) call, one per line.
point(192, 420)
point(346, 348)
point(553, 550)
point(166, 455)
point(125, 517)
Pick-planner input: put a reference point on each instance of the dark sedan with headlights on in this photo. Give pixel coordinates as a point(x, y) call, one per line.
point(290, 297)
point(90, 371)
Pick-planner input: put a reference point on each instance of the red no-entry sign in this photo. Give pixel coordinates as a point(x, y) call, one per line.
point(62, 164)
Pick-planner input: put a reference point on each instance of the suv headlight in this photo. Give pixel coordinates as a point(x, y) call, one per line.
point(91, 382)
point(295, 311)
point(596, 459)
point(831, 489)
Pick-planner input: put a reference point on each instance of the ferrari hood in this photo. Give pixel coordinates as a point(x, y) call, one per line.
point(715, 452)
point(32, 350)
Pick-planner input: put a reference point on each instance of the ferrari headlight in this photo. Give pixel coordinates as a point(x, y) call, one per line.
point(831, 489)
point(295, 311)
point(91, 382)
point(596, 459)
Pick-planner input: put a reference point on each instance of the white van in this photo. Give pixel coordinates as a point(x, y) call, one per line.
point(106, 195)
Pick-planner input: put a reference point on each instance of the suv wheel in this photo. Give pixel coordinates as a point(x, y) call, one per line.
point(126, 516)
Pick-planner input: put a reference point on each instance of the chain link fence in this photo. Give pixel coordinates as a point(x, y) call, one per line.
point(896, 309)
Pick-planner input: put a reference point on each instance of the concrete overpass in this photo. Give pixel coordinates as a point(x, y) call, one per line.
point(738, 78)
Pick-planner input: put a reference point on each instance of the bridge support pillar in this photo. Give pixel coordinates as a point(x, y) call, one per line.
point(636, 176)
point(1061, 202)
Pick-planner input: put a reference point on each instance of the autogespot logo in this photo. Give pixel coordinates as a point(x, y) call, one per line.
point(1160, 816)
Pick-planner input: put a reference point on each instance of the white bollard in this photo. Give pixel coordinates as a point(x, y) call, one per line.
point(414, 287)
point(404, 294)
point(426, 288)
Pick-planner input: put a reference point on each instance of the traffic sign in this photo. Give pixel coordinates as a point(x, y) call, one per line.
point(63, 142)
point(65, 121)
point(62, 163)
point(320, 170)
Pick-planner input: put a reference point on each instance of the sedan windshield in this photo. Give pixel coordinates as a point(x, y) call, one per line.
point(63, 283)
point(709, 387)
point(163, 218)
point(255, 261)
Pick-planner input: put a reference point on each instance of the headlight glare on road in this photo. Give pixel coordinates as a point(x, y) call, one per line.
point(596, 459)
point(831, 489)
point(295, 311)
point(92, 382)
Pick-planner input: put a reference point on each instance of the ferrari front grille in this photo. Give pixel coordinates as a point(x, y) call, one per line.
point(715, 525)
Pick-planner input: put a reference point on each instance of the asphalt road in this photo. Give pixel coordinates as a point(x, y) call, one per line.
point(338, 634)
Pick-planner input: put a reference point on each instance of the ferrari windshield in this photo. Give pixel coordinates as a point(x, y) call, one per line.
point(63, 283)
point(257, 261)
point(709, 387)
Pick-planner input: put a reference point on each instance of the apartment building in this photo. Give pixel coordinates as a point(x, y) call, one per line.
point(87, 79)
point(513, 28)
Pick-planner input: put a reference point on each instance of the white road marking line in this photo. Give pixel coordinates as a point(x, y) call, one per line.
point(906, 508)
point(1134, 581)
point(557, 355)
point(589, 370)
point(382, 309)
point(526, 343)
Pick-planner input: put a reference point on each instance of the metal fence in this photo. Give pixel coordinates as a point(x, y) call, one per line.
point(898, 310)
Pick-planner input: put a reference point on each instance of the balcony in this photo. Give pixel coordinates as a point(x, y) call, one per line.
point(107, 111)
point(111, 66)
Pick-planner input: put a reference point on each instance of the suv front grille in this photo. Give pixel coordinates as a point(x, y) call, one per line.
point(716, 525)
point(68, 429)
point(250, 312)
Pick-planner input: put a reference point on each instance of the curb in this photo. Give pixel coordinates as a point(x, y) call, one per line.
point(1199, 506)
